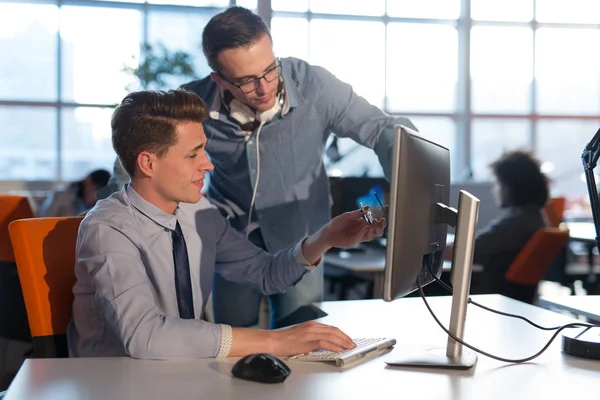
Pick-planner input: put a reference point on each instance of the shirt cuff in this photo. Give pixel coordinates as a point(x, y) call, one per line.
point(226, 341)
point(301, 260)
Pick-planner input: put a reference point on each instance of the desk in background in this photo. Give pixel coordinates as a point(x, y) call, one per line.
point(369, 264)
point(551, 376)
point(585, 306)
point(585, 232)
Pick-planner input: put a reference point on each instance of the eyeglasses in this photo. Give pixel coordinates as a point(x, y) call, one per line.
point(253, 83)
point(367, 212)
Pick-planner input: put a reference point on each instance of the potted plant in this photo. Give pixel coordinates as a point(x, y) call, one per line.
point(158, 64)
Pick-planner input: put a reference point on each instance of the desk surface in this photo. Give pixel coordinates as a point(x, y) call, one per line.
point(582, 232)
point(551, 376)
point(587, 306)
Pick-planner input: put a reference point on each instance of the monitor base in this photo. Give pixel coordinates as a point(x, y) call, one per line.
point(582, 343)
point(437, 358)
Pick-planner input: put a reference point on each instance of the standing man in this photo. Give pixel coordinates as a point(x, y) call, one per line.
point(268, 124)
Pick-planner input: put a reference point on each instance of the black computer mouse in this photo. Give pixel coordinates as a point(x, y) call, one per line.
point(261, 367)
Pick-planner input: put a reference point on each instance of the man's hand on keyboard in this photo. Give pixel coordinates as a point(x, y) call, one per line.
point(307, 337)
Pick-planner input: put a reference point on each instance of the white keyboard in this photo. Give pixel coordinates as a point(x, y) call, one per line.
point(364, 347)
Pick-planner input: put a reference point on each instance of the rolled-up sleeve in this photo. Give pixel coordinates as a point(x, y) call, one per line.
point(122, 288)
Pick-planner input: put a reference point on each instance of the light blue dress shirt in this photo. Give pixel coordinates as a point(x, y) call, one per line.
point(125, 301)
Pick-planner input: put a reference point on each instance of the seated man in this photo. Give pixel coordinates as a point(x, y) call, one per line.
point(147, 254)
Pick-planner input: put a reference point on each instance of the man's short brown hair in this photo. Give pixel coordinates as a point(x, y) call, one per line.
point(146, 121)
point(230, 29)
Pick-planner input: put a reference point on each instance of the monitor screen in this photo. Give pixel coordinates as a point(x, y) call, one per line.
point(420, 179)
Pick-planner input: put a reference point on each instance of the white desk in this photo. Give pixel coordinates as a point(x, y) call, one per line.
point(586, 306)
point(551, 376)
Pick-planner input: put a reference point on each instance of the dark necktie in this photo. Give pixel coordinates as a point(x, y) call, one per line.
point(183, 280)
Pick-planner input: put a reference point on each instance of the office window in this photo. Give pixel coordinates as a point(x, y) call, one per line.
point(492, 137)
point(31, 74)
point(501, 69)
point(422, 67)
point(567, 71)
point(250, 4)
point(92, 63)
point(560, 144)
point(441, 130)
point(98, 39)
point(355, 160)
point(290, 37)
point(86, 141)
point(195, 3)
point(347, 49)
point(401, 55)
point(185, 34)
point(502, 10)
point(442, 9)
point(349, 7)
point(290, 5)
point(573, 11)
point(28, 143)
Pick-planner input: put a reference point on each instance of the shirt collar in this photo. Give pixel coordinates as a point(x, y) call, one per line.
point(150, 210)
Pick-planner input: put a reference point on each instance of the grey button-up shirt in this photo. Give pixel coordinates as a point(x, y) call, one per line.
point(125, 300)
point(292, 198)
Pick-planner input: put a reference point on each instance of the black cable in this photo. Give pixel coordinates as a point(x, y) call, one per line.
point(469, 300)
point(508, 360)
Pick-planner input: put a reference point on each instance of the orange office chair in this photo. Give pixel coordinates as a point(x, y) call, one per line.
point(530, 265)
point(13, 317)
point(11, 209)
point(45, 254)
point(554, 210)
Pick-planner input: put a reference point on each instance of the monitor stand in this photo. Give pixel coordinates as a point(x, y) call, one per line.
point(454, 356)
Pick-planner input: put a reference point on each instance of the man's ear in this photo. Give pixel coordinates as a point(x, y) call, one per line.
point(215, 77)
point(146, 163)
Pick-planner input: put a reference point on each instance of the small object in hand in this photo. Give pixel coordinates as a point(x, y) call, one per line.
point(366, 213)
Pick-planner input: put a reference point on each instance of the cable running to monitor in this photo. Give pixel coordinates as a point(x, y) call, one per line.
point(508, 360)
point(449, 289)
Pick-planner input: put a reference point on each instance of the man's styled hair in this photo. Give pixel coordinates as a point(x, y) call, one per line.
point(234, 27)
point(521, 180)
point(146, 121)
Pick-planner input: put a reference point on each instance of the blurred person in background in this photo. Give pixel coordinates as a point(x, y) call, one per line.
point(77, 198)
point(521, 191)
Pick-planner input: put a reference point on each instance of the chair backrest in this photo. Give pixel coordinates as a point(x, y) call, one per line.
point(45, 256)
point(554, 210)
point(533, 260)
point(11, 209)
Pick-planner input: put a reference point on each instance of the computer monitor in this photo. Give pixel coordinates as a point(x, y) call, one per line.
point(418, 221)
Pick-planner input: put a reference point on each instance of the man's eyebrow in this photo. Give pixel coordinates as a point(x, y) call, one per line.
point(200, 146)
point(254, 76)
